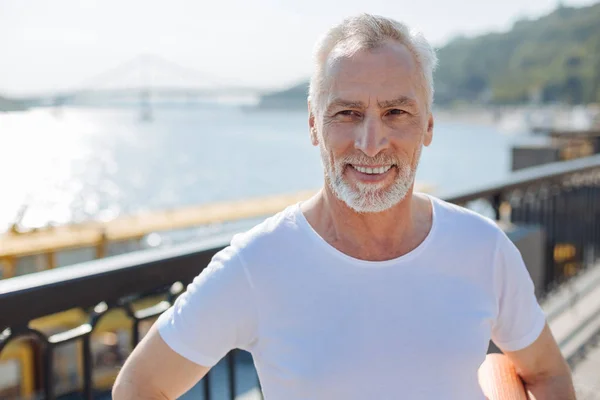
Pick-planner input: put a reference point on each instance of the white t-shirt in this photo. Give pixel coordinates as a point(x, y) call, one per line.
point(323, 325)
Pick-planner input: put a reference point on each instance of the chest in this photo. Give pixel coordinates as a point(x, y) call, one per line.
point(334, 332)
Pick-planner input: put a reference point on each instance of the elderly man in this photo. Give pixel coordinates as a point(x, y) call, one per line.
point(367, 290)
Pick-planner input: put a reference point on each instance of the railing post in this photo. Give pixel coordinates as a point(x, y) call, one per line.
point(87, 367)
point(207, 391)
point(496, 202)
point(231, 370)
point(135, 332)
point(48, 362)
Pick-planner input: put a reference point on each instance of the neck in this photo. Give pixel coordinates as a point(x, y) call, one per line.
point(370, 236)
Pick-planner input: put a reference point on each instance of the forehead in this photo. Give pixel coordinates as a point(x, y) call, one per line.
point(383, 73)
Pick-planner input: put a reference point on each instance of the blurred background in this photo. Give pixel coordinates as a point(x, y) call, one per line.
point(113, 109)
point(117, 107)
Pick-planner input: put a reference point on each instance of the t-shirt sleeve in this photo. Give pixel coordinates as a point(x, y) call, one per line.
point(520, 319)
point(216, 313)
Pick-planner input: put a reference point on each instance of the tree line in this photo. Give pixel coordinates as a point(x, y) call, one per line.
point(555, 58)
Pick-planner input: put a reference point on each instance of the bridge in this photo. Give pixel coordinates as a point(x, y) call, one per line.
point(147, 81)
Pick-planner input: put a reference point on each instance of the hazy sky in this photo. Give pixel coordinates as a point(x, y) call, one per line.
point(46, 45)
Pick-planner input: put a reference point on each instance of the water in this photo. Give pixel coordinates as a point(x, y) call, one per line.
point(79, 164)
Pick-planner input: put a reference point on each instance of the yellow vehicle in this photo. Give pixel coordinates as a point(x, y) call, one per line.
point(20, 362)
point(17, 370)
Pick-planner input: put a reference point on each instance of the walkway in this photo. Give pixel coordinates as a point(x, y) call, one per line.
point(577, 329)
point(586, 376)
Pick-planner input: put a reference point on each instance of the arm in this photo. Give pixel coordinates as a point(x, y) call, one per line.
point(217, 313)
point(154, 371)
point(522, 333)
point(543, 369)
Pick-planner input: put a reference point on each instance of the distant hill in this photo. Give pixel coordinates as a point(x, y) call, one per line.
point(292, 98)
point(10, 105)
point(555, 58)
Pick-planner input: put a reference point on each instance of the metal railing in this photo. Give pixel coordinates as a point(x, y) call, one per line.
point(563, 198)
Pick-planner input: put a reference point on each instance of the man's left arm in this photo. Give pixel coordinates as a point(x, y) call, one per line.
point(543, 369)
point(521, 330)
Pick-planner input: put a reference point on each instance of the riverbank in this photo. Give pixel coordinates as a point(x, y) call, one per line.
point(10, 105)
point(525, 118)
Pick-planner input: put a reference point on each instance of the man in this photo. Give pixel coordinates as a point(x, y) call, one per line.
point(367, 290)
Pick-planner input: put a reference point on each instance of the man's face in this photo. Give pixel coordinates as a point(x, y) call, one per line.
point(372, 126)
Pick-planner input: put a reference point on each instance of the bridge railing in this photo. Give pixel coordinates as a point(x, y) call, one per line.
point(125, 293)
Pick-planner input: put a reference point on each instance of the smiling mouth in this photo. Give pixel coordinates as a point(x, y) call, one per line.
point(372, 170)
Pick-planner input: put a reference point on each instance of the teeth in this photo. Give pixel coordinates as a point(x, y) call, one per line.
point(373, 171)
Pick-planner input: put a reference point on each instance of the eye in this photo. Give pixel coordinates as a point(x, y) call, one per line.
point(396, 111)
point(349, 113)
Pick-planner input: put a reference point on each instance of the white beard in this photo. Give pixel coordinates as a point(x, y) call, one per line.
point(371, 197)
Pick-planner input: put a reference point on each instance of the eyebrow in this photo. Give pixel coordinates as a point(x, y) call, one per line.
point(341, 103)
point(402, 101)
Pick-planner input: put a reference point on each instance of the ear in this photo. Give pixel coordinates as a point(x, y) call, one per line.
point(429, 133)
point(314, 138)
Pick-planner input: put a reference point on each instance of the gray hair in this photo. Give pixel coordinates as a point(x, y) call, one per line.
point(367, 31)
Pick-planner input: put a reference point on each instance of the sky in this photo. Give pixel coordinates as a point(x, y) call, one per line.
point(57, 45)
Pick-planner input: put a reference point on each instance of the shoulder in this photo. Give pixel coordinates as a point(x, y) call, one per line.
point(269, 235)
point(464, 224)
point(233, 266)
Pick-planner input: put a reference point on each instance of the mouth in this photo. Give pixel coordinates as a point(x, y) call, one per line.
point(375, 173)
point(372, 170)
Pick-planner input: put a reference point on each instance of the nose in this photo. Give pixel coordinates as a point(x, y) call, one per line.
point(371, 137)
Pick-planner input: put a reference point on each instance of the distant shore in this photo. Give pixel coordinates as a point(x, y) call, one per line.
point(7, 105)
point(466, 116)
